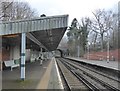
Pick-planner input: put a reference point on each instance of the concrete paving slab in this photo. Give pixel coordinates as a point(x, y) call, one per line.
point(34, 73)
point(45, 79)
point(55, 80)
point(111, 64)
point(0, 80)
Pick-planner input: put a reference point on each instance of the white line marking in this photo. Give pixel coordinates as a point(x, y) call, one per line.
point(59, 78)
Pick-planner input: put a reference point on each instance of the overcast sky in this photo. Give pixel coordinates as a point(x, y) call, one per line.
point(75, 8)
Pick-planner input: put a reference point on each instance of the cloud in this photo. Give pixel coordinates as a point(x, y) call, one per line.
point(75, 8)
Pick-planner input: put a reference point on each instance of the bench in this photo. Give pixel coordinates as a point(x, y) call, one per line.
point(11, 64)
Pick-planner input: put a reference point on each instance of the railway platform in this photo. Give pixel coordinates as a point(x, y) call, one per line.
point(37, 77)
point(114, 65)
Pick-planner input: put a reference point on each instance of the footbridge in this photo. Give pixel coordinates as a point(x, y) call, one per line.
point(38, 34)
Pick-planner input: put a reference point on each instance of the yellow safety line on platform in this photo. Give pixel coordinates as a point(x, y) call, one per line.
point(45, 79)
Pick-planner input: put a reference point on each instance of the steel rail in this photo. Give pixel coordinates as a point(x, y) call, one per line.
point(102, 82)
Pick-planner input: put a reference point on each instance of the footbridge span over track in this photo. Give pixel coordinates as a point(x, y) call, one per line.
point(42, 33)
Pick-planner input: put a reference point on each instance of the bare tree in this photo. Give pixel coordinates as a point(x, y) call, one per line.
point(16, 10)
point(102, 24)
point(4, 6)
point(114, 32)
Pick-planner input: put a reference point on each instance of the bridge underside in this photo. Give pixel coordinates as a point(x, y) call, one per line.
point(48, 38)
point(46, 32)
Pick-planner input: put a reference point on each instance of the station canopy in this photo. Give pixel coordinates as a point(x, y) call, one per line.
point(46, 32)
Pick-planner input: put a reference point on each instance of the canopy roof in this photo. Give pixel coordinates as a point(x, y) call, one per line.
point(44, 31)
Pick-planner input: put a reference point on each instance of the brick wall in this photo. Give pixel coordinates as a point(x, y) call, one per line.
point(4, 55)
point(0, 53)
point(103, 55)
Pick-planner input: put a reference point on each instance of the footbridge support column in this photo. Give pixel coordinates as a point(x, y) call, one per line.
point(23, 48)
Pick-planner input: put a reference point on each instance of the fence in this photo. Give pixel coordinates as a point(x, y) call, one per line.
point(113, 55)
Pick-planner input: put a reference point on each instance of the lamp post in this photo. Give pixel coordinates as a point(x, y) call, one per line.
point(108, 47)
point(78, 47)
point(78, 51)
point(88, 49)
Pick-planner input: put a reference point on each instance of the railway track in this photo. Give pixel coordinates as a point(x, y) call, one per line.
point(90, 78)
point(98, 71)
point(71, 81)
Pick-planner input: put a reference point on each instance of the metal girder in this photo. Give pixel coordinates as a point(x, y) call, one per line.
point(30, 25)
point(31, 37)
